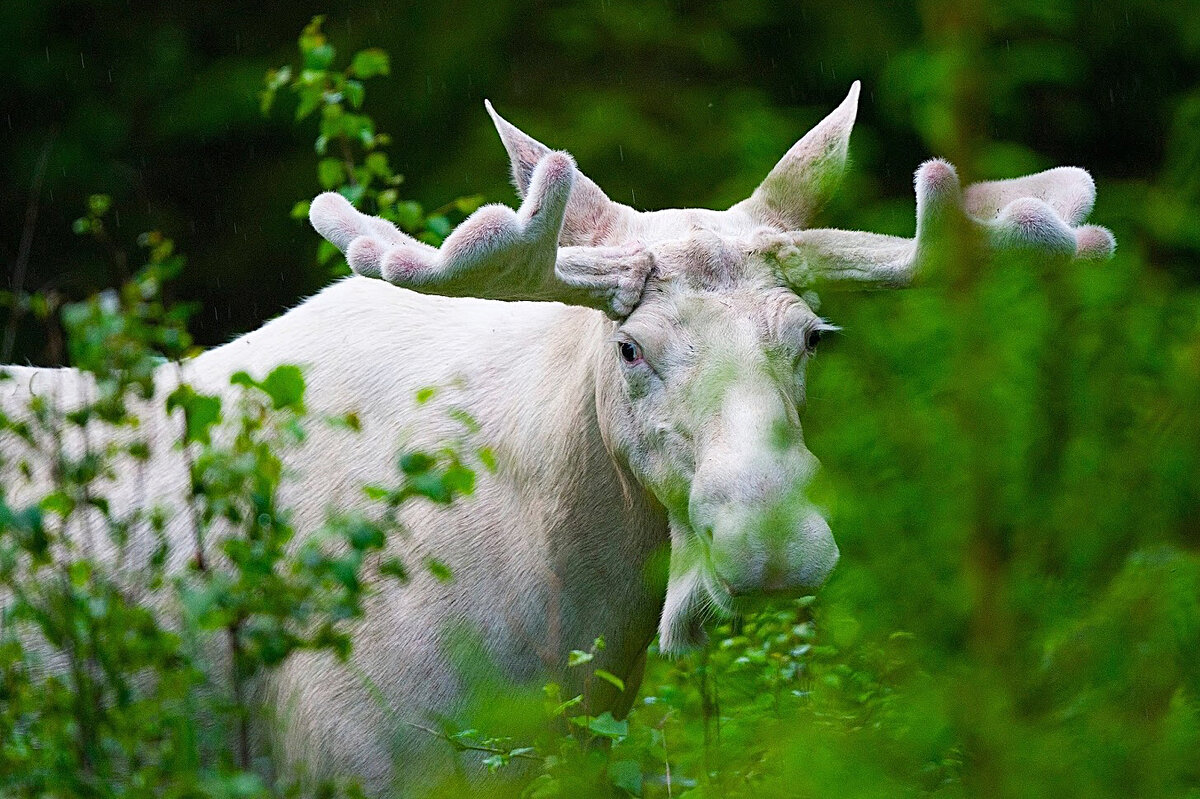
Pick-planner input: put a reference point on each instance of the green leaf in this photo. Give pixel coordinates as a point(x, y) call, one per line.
point(355, 93)
point(609, 677)
point(468, 205)
point(459, 479)
point(58, 502)
point(98, 204)
point(353, 193)
point(626, 775)
point(369, 63)
point(300, 210)
point(392, 567)
point(348, 421)
point(310, 99)
point(426, 394)
point(319, 57)
point(578, 657)
point(376, 493)
point(488, 458)
point(80, 572)
point(364, 535)
point(311, 35)
point(416, 462)
point(606, 726)
point(430, 486)
point(377, 164)
point(200, 412)
point(326, 251)
point(409, 215)
point(463, 417)
point(439, 570)
point(330, 173)
point(285, 386)
point(568, 704)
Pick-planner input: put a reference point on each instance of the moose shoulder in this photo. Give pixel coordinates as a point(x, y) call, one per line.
point(641, 381)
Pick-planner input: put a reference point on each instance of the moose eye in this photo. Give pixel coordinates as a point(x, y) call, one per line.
point(630, 352)
point(814, 338)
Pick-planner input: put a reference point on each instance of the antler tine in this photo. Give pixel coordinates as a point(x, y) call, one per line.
point(341, 223)
point(495, 253)
point(1035, 213)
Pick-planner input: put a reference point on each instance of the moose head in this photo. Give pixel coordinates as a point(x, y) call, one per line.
point(701, 379)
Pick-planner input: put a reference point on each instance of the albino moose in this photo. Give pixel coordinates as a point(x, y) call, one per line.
point(640, 377)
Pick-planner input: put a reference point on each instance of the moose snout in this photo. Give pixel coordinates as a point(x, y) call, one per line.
point(773, 558)
point(765, 537)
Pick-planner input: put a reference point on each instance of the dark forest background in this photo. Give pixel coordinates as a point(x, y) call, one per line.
point(663, 103)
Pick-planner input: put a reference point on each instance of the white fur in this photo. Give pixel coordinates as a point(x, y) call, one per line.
point(547, 555)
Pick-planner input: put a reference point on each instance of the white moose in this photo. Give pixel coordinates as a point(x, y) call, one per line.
point(642, 389)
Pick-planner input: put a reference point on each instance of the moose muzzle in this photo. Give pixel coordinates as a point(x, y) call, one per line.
point(765, 536)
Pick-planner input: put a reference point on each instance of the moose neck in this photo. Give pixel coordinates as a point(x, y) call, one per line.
point(553, 549)
point(603, 530)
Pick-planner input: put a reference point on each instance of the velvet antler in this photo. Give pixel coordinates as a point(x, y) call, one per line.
point(1039, 212)
point(495, 253)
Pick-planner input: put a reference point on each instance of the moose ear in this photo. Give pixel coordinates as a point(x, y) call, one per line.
point(591, 218)
point(805, 178)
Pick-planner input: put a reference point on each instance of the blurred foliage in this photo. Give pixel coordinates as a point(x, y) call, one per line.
point(348, 136)
point(1011, 458)
point(124, 671)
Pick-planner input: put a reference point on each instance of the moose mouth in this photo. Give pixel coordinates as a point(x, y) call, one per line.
point(699, 593)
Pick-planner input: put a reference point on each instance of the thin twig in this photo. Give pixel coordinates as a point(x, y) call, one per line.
point(189, 462)
point(235, 656)
point(347, 159)
point(459, 744)
point(662, 728)
point(21, 265)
